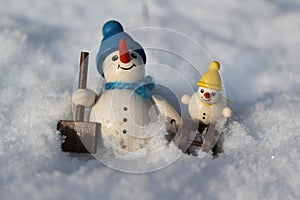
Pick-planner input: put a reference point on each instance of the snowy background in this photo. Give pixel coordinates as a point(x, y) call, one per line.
point(257, 42)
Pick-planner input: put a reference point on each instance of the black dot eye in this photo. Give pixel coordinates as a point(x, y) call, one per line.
point(114, 58)
point(213, 93)
point(202, 91)
point(133, 55)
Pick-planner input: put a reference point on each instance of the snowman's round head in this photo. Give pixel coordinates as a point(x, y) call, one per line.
point(124, 65)
point(113, 33)
point(207, 95)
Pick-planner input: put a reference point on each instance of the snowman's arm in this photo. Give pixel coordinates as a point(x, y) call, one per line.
point(84, 97)
point(227, 112)
point(185, 99)
point(166, 109)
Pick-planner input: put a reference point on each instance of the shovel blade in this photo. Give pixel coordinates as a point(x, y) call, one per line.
point(80, 137)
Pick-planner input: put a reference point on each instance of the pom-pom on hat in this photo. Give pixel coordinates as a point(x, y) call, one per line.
point(211, 78)
point(113, 32)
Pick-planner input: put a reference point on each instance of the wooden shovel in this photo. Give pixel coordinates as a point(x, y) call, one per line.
point(80, 136)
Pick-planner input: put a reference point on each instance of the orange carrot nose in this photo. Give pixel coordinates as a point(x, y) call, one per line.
point(124, 51)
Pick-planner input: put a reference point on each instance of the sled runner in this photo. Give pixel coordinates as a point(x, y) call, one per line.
point(193, 136)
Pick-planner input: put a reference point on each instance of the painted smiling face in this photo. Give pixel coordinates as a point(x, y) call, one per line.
point(124, 65)
point(209, 96)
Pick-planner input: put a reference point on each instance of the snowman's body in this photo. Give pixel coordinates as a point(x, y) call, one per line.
point(124, 116)
point(123, 113)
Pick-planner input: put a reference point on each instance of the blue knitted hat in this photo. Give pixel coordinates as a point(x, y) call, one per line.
point(113, 32)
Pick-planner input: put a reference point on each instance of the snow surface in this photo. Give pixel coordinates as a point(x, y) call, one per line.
point(257, 42)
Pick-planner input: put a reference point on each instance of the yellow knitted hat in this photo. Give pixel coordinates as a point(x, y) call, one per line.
point(211, 78)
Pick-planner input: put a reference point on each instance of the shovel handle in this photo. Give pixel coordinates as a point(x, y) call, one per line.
point(83, 69)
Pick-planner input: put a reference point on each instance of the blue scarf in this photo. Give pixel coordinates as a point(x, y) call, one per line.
point(143, 88)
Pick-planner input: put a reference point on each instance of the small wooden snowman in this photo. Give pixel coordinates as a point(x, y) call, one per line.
point(207, 106)
point(126, 105)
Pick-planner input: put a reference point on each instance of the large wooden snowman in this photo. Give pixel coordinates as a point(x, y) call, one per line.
point(125, 108)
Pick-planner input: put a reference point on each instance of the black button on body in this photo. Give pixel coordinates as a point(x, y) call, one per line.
point(124, 119)
point(124, 131)
point(125, 108)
